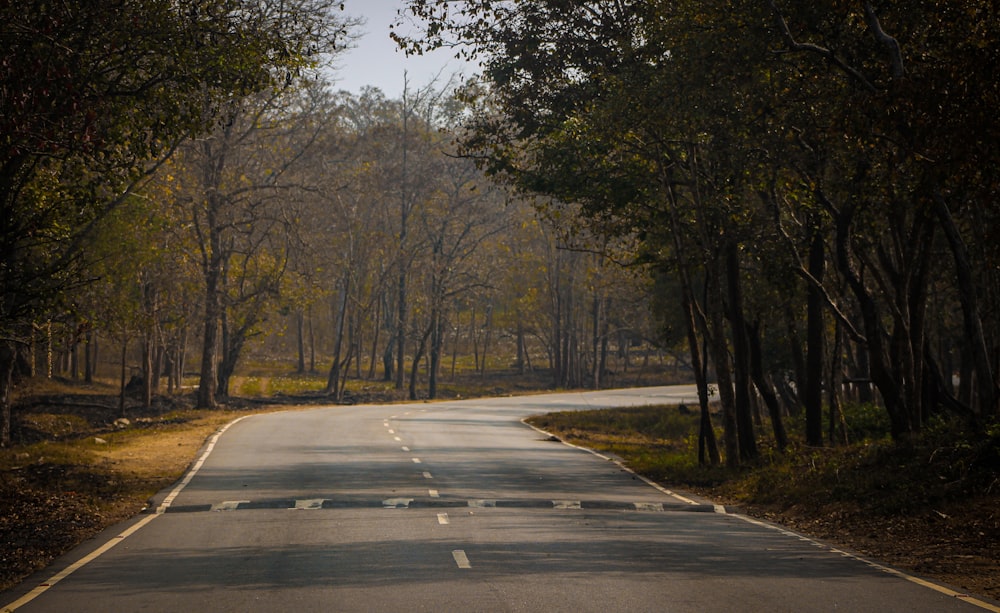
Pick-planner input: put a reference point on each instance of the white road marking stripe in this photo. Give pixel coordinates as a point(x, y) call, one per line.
point(461, 559)
point(397, 439)
point(416, 460)
point(648, 506)
point(405, 448)
point(227, 505)
point(566, 504)
point(433, 494)
point(480, 504)
point(427, 475)
point(310, 503)
point(443, 519)
point(391, 431)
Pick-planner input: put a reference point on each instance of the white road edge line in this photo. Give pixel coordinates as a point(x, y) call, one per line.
point(649, 482)
point(873, 564)
point(722, 510)
point(160, 510)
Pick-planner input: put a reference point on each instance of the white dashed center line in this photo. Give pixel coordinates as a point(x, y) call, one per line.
point(443, 519)
point(405, 448)
point(427, 475)
point(433, 494)
point(416, 460)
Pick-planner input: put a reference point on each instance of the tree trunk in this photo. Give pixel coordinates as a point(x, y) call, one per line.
point(723, 371)
point(147, 372)
point(376, 329)
point(122, 380)
point(388, 362)
point(8, 360)
point(213, 307)
point(837, 426)
point(708, 446)
point(415, 366)
point(401, 332)
point(813, 396)
point(88, 362)
point(596, 341)
point(312, 344)
point(741, 355)
point(300, 332)
point(181, 360)
point(519, 363)
point(437, 342)
point(333, 380)
point(986, 386)
point(487, 337)
point(881, 372)
point(765, 388)
point(74, 357)
point(794, 405)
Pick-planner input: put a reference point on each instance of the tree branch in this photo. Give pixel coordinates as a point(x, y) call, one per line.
point(828, 55)
point(891, 44)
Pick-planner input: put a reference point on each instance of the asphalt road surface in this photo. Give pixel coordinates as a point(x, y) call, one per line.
point(453, 506)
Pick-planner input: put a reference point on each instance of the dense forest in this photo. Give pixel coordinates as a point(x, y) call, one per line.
point(798, 201)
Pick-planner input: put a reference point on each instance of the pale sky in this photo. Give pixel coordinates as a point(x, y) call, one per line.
point(376, 61)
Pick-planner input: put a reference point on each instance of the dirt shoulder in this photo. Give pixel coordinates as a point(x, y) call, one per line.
point(956, 545)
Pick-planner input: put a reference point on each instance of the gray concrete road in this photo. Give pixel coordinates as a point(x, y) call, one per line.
point(452, 506)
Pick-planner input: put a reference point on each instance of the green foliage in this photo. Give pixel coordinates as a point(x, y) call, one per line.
point(866, 422)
